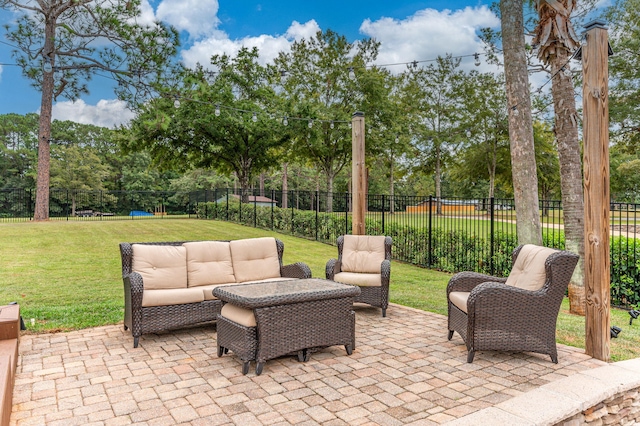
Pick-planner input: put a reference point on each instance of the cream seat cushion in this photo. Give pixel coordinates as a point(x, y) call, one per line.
point(255, 259)
point(207, 290)
point(171, 296)
point(161, 267)
point(239, 315)
point(362, 253)
point(459, 299)
point(209, 262)
point(528, 271)
point(363, 280)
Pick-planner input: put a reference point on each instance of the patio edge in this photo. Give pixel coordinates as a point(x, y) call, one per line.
point(577, 399)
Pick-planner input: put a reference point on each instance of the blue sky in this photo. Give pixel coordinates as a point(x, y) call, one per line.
point(407, 30)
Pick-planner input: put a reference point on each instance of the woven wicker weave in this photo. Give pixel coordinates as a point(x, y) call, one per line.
point(374, 296)
point(142, 320)
point(506, 318)
point(293, 316)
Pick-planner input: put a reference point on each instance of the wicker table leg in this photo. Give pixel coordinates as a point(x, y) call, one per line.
point(241, 340)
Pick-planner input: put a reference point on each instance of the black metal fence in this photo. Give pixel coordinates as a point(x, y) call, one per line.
point(450, 234)
point(65, 204)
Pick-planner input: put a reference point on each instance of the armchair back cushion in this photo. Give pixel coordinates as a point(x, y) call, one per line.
point(363, 253)
point(161, 267)
point(209, 262)
point(528, 270)
point(255, 259)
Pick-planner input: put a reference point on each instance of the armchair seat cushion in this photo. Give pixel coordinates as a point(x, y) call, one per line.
point(459, 299)
point(172, 296)
point(359, 279)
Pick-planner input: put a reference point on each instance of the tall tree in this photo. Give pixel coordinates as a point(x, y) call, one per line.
point(327, 79)
point(556, 42)
point(222, 121)
point(76, 39)
point(523, 161)
point(436, 94)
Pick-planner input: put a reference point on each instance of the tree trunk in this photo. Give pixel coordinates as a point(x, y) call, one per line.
point(566, 130)
point(44, 134)
point(330, 178)
point(262, 178)
point(523, 160)
point(285, 186)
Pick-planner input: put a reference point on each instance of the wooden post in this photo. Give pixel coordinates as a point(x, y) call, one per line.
point(595, 94)
point(359, 180)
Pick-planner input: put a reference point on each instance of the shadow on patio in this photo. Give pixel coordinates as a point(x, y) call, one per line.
point(403, 371)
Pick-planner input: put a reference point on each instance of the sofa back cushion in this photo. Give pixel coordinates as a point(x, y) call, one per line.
point(209, 262)
point(160, 266)
point(255, 259)
point(362, 253)
point(528, 270)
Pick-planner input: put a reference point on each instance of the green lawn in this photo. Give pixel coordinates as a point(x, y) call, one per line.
point(67, 275)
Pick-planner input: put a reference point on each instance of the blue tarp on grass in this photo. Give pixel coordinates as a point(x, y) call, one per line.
point(139, 213)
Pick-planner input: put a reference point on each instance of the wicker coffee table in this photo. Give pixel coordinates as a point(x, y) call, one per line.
point(291, 316)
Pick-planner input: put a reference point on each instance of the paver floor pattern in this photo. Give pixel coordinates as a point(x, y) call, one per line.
point(403, 371)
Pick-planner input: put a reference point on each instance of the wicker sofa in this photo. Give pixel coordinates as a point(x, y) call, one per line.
point(169, 285)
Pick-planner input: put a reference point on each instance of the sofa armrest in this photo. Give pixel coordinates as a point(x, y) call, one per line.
point(296, 270)
point(133, 291)
point(333, 267)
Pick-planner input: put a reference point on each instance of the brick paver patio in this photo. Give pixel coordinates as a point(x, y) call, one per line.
point(403, 371)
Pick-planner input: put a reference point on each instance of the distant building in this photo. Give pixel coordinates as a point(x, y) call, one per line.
point(259, 200)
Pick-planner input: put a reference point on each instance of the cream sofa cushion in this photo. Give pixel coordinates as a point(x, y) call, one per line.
point(160, 266)
point(459, 298)
point(209, 262)
point(362, 280)
point(171, 296)
point(528, 271)
point(239, 315)
point(207, 290)
point(362, 253)
point(255, 259)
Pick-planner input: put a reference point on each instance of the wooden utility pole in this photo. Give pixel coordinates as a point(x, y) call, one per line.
point(359, 177)
point(595, 95)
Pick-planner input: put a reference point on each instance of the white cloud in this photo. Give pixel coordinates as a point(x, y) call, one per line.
point(429, 33)
point(0, 72)
point(197, 17)
point(269, 46)
point(106, 113)
point(147, 15)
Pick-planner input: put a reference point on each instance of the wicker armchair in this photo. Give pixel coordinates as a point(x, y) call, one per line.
point(364, 261)
point(517, 313)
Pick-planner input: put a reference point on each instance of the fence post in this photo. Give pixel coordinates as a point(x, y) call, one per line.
point(273, 198)
point(67, 205)
point(255, 210)
point(298, 195)
point(317, 208)
point(492, 239)
point(383, 204)
point(227, 209)
point(430, 228)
